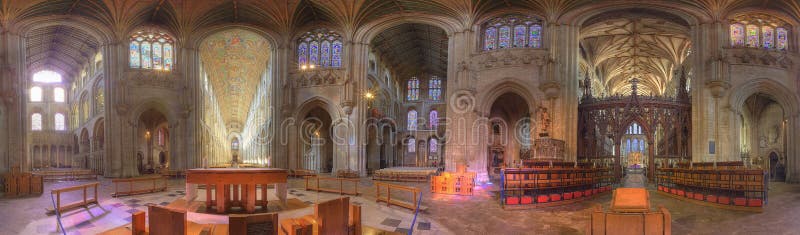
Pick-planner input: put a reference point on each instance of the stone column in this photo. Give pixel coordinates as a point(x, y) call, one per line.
point(13, 74)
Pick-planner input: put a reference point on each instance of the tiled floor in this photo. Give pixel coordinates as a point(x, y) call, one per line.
point(445, 214)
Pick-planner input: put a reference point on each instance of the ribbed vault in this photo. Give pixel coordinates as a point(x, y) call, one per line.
point(620, 46)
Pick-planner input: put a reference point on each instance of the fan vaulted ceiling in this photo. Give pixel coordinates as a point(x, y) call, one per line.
point(620, 46)
point(413, 49)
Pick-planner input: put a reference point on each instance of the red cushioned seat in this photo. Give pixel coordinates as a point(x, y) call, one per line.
point(754, 202)
point(512, 200)
point(673, 191)
point(711, 198)
point(567, 196)
point(690, 194)
point(724, 200)
point(660, 188)
point(542, 198)
point(555, 197)
point(739, 201)
point(527, 200)
point(681, 193)
point(578, 194)
point(587, 192)
point(595, 191)
point(698, 196)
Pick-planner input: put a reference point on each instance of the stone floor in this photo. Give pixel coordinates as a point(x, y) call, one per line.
point(445, 214)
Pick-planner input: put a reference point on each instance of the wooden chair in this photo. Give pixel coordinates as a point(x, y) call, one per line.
point(253, 224)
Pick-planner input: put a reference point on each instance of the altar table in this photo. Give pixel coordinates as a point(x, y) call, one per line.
point(236, 186)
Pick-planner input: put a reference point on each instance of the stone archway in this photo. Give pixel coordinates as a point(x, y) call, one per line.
point(509, 118)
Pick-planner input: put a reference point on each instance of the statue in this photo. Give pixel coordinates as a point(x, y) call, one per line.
point(544, 120)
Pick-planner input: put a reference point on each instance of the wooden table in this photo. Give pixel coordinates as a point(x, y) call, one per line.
point(230, 182)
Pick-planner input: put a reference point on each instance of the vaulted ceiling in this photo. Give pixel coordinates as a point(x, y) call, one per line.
point(184, 18)
point(59, 48)
point(621, 46)
point(413, 49)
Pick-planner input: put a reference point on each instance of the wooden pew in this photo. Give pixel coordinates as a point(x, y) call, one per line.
point(83, 203)
point(151, 184)
point(384, 194)
point(167, 221)
point(260, 224)
point(334, 217)
point(313, 183)
point(18, 183)
point(301, 173)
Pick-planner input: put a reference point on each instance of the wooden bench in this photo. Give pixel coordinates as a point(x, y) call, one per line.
point(83, 203)
point(173, 173)
point(67, 175)
point(313, 183)
point(347, 174)
point(151, 184)
point(384, 194)
point(301, 173)
point(334, 217)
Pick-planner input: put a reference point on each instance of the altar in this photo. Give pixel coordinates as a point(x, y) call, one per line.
point(236, 187)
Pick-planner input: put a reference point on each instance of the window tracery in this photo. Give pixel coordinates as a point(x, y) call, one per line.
point(319, 48)
point(759, 31)
point(151, 50)
point(435, 88)
point(512, 31)
point(413, 89)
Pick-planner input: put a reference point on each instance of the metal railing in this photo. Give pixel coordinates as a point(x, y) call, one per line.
point(416, 212)
point(58, 215)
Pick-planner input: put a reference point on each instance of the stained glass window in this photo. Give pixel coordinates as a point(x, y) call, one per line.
point(519, 36)
point(157, 56)
point(752, 36)
point(134, 55)
point(412, 120)
point(151, 50)
point(768, 37)
point(433, 146)
point(737, 35)
point(36, 94)
point(313, 53)
point(58, 95)
point(435, 88)
point(325, 53)
point(60, 122)
point(321, 47)
point(36, 122)
point(413, 89)
point(336, 54)
point(147, 61)
point(490, 40)
point(782, 39)
point(434, 119)
point(411, 145)
point(301, 54)
point(512, 31)
point(504, 37)
point(535, 36)
point(167, 57)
